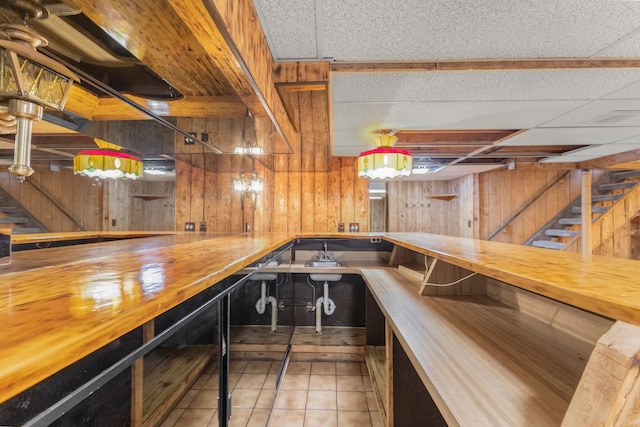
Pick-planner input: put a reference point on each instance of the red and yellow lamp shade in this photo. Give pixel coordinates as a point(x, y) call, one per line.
point(106, 163)
point(384, 161)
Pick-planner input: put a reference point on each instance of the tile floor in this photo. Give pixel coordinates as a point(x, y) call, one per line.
point(312, 394)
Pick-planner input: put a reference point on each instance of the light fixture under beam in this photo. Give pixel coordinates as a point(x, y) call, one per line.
point(384, 161)
point(29, 81)
point(107, 164)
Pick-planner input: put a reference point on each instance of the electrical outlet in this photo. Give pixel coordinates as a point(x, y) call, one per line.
point(204, 137)
point(190, 141)
point(189, 226)
point(376, 240)
point(203, 227)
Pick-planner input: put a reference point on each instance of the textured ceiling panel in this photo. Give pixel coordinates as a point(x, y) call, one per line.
point(441, 29)
point(571, 136)
point(362, 87)
point(368, 116)
point(603, 150)
point(483, 115)
point(453, 172)
point(290, 27)
point(527, 84)
point(629, 91)
point(569, 159)
point(627, 47)
point(601, 113)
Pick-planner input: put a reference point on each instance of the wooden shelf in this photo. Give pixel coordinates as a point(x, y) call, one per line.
point(376, 359)
point(483, 363)
point(148, 197)
point(168, 374)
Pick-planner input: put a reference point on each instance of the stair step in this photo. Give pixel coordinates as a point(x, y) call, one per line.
point(25, 230)
point(626, 175)
point(594, 209)
point(7, 209)
point(560, 233)
point(617, 186)
point(570, 221)
point(548, 244)
point(605, 197)
point(14, 220)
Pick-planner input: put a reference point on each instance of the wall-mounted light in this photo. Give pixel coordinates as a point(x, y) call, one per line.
point(248, 182)
point(29, 82)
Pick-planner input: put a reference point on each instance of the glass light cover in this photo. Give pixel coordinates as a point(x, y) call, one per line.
point(107, 164)
point(384, 163)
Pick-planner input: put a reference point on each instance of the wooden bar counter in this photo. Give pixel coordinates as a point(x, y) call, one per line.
point(60, 304)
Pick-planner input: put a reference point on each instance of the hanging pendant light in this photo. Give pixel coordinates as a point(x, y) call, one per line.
point(107, 162)
point(384, 161)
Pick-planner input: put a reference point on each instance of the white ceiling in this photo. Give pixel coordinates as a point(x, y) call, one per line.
point(595, 107)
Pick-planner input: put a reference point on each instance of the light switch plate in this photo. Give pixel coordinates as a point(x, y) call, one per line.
point(5, 246)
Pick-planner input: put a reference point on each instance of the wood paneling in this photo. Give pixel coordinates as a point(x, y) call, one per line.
point(80, 196)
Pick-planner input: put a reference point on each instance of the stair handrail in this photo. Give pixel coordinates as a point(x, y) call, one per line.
point(56, 204)
point(526, 205)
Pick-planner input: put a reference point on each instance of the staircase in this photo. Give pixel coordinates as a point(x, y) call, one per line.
point(566, 226)
point(14, 216)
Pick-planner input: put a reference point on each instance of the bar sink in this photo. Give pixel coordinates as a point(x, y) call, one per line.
point(323, 263)
point(325, 277)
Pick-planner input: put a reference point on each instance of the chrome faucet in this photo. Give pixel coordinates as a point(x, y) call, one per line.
point(324, 244)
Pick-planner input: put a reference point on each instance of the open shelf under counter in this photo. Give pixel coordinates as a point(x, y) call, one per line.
point(481, 361)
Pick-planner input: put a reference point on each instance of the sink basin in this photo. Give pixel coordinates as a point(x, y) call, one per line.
point(323, 263)
point(325, 277)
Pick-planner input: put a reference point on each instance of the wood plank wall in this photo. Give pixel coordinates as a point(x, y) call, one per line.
point(139, 205)
point(80, 196)
point(485, 202)
point(304, 191)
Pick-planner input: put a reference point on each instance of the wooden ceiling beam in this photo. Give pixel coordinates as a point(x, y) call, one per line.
point(181, 41)
point(484, 64)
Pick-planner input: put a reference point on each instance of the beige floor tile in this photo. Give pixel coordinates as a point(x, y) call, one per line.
point(322, 382)
point(195, 418)
point(212, 383)
point(172, 418)
point(187, 399)
point(205, 399)
point(239, 417)
point(266, 399)
point(298, 368)
point(214, 420)
point(376, 419)
point(368, 385)
point(244, 398)
point(320, 418)
point(323, 368)
point(201, 381)
point(233, 380)
point(348, 368)
point(258, 367)
point(353, 419)
point(352, 401)
point(349, 383)
point(251, 381)
point(291, 399)
point(238, 366)
point(287, 418)
point(371, 401)
point(259, 418)
point(275, 368)
point(321, 400)
point(270, 382)
point(295, 382)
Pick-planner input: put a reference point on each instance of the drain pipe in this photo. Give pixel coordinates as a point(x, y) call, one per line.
point(261, 305)
point(329, 306)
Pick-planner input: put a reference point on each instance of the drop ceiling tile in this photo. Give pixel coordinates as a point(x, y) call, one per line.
point(627, 47)
point(599, 113)
point(351, 143)
point(290, 27)
point(483, 114)
point(368, 115)
point(603, 150)
point(558, 84)
point(569, 159)
point(370, 30)
point(454, 172)
point(629, 91)
point(363, 87)
point(570, 136)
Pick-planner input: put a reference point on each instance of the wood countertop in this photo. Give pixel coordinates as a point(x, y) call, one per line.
point(58, 305)
point(606, 286)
